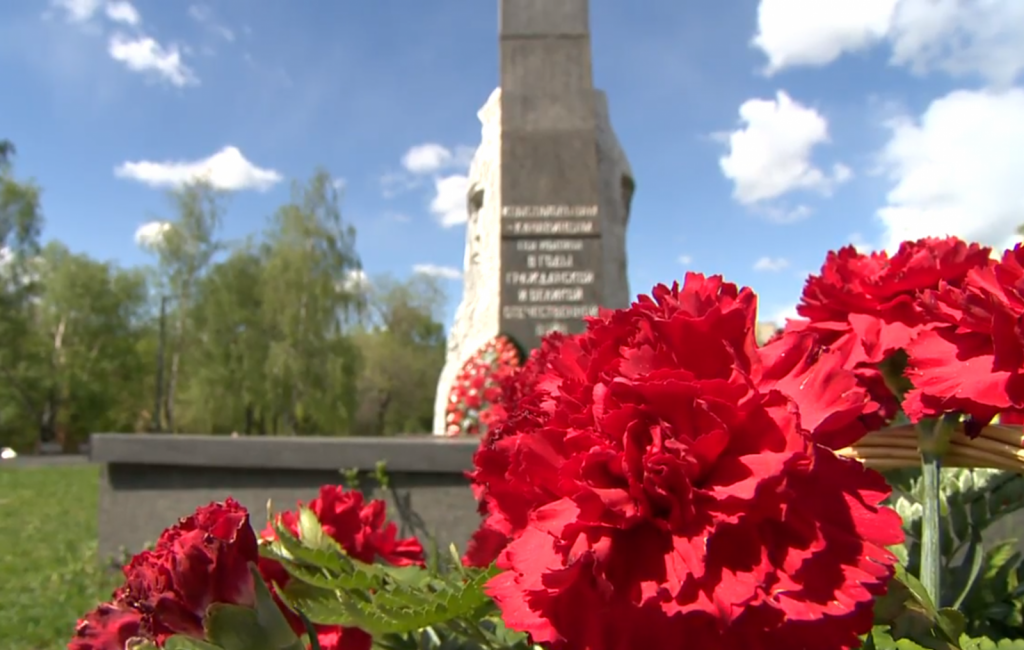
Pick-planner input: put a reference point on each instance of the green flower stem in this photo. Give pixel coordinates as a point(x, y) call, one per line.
point(933, 441)
point(931, 534)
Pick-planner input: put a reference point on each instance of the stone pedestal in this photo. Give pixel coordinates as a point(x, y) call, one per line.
point(549, 197)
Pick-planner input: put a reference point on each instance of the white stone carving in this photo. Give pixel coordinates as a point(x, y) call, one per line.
point(477, 317)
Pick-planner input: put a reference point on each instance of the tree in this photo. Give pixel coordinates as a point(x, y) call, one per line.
point(403, 349)
point(77, 360)
point(226, 384)
point(21, 221)
point(309, 306)
point(184, 254)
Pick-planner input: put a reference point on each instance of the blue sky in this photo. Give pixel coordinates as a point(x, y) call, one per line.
point(762, 134)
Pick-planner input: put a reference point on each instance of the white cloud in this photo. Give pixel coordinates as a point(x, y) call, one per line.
point(772, 264)
point(150, 235)
point(77, 11)
point(433, 270)
point(685, 260)
point(961, 37)
point(448, 168)
point(957, 170)
point(123, 12)
point(770, 155)
point(430, 158)
point(143, 54)
point(449, 204)
point(958, 37)
point(227, 169)
point(816, 32)
point(426, 158)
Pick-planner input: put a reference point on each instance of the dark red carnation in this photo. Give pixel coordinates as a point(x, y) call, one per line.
point(108, 627)
point(682, 502)
point(362, 530)
point(202, 560)
point(972, 360)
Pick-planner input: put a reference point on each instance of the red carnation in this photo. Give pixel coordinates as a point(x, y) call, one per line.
point(908, 302)
point(684, 503)
point(108, 627)
point(879, 295)
point(810, 364)
point(972, 360)
point(202, 560)
point(362, 530)
point(491, 460)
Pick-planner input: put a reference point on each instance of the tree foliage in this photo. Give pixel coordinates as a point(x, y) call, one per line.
point(277, 334)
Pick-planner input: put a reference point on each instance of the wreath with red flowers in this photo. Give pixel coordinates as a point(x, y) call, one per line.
point(477, 387)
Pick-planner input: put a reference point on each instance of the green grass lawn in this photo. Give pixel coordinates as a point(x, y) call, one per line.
point(49, 571)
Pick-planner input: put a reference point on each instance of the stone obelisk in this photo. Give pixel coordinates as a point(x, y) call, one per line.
point(550, 192)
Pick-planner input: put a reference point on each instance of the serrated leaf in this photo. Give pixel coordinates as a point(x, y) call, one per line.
point(311, 532)
point(985, 643)
point(232, 627)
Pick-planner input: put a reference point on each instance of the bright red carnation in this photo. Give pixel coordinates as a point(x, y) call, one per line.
point(811, 363)
point(972, 360)
point(912, 301)
point(683, 503)
point(490, 460)
point(879, 295)
point(361, 529)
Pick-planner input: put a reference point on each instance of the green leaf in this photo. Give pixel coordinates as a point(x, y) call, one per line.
point(269, 616)
point(311, 634)
point(959, 517)
point(900, 551)
point(985, 643)
point(235, 628)
point(967, 573)
point(917, 590)
point(952, 623)
point(311, 533)
point(182, 642)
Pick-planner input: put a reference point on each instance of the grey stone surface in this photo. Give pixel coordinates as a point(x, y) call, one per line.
point(547, 146)
point(147, 481)
point(416, 454)
point(544, 17)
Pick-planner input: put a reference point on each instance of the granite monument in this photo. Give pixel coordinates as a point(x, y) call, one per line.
point(549, 192)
